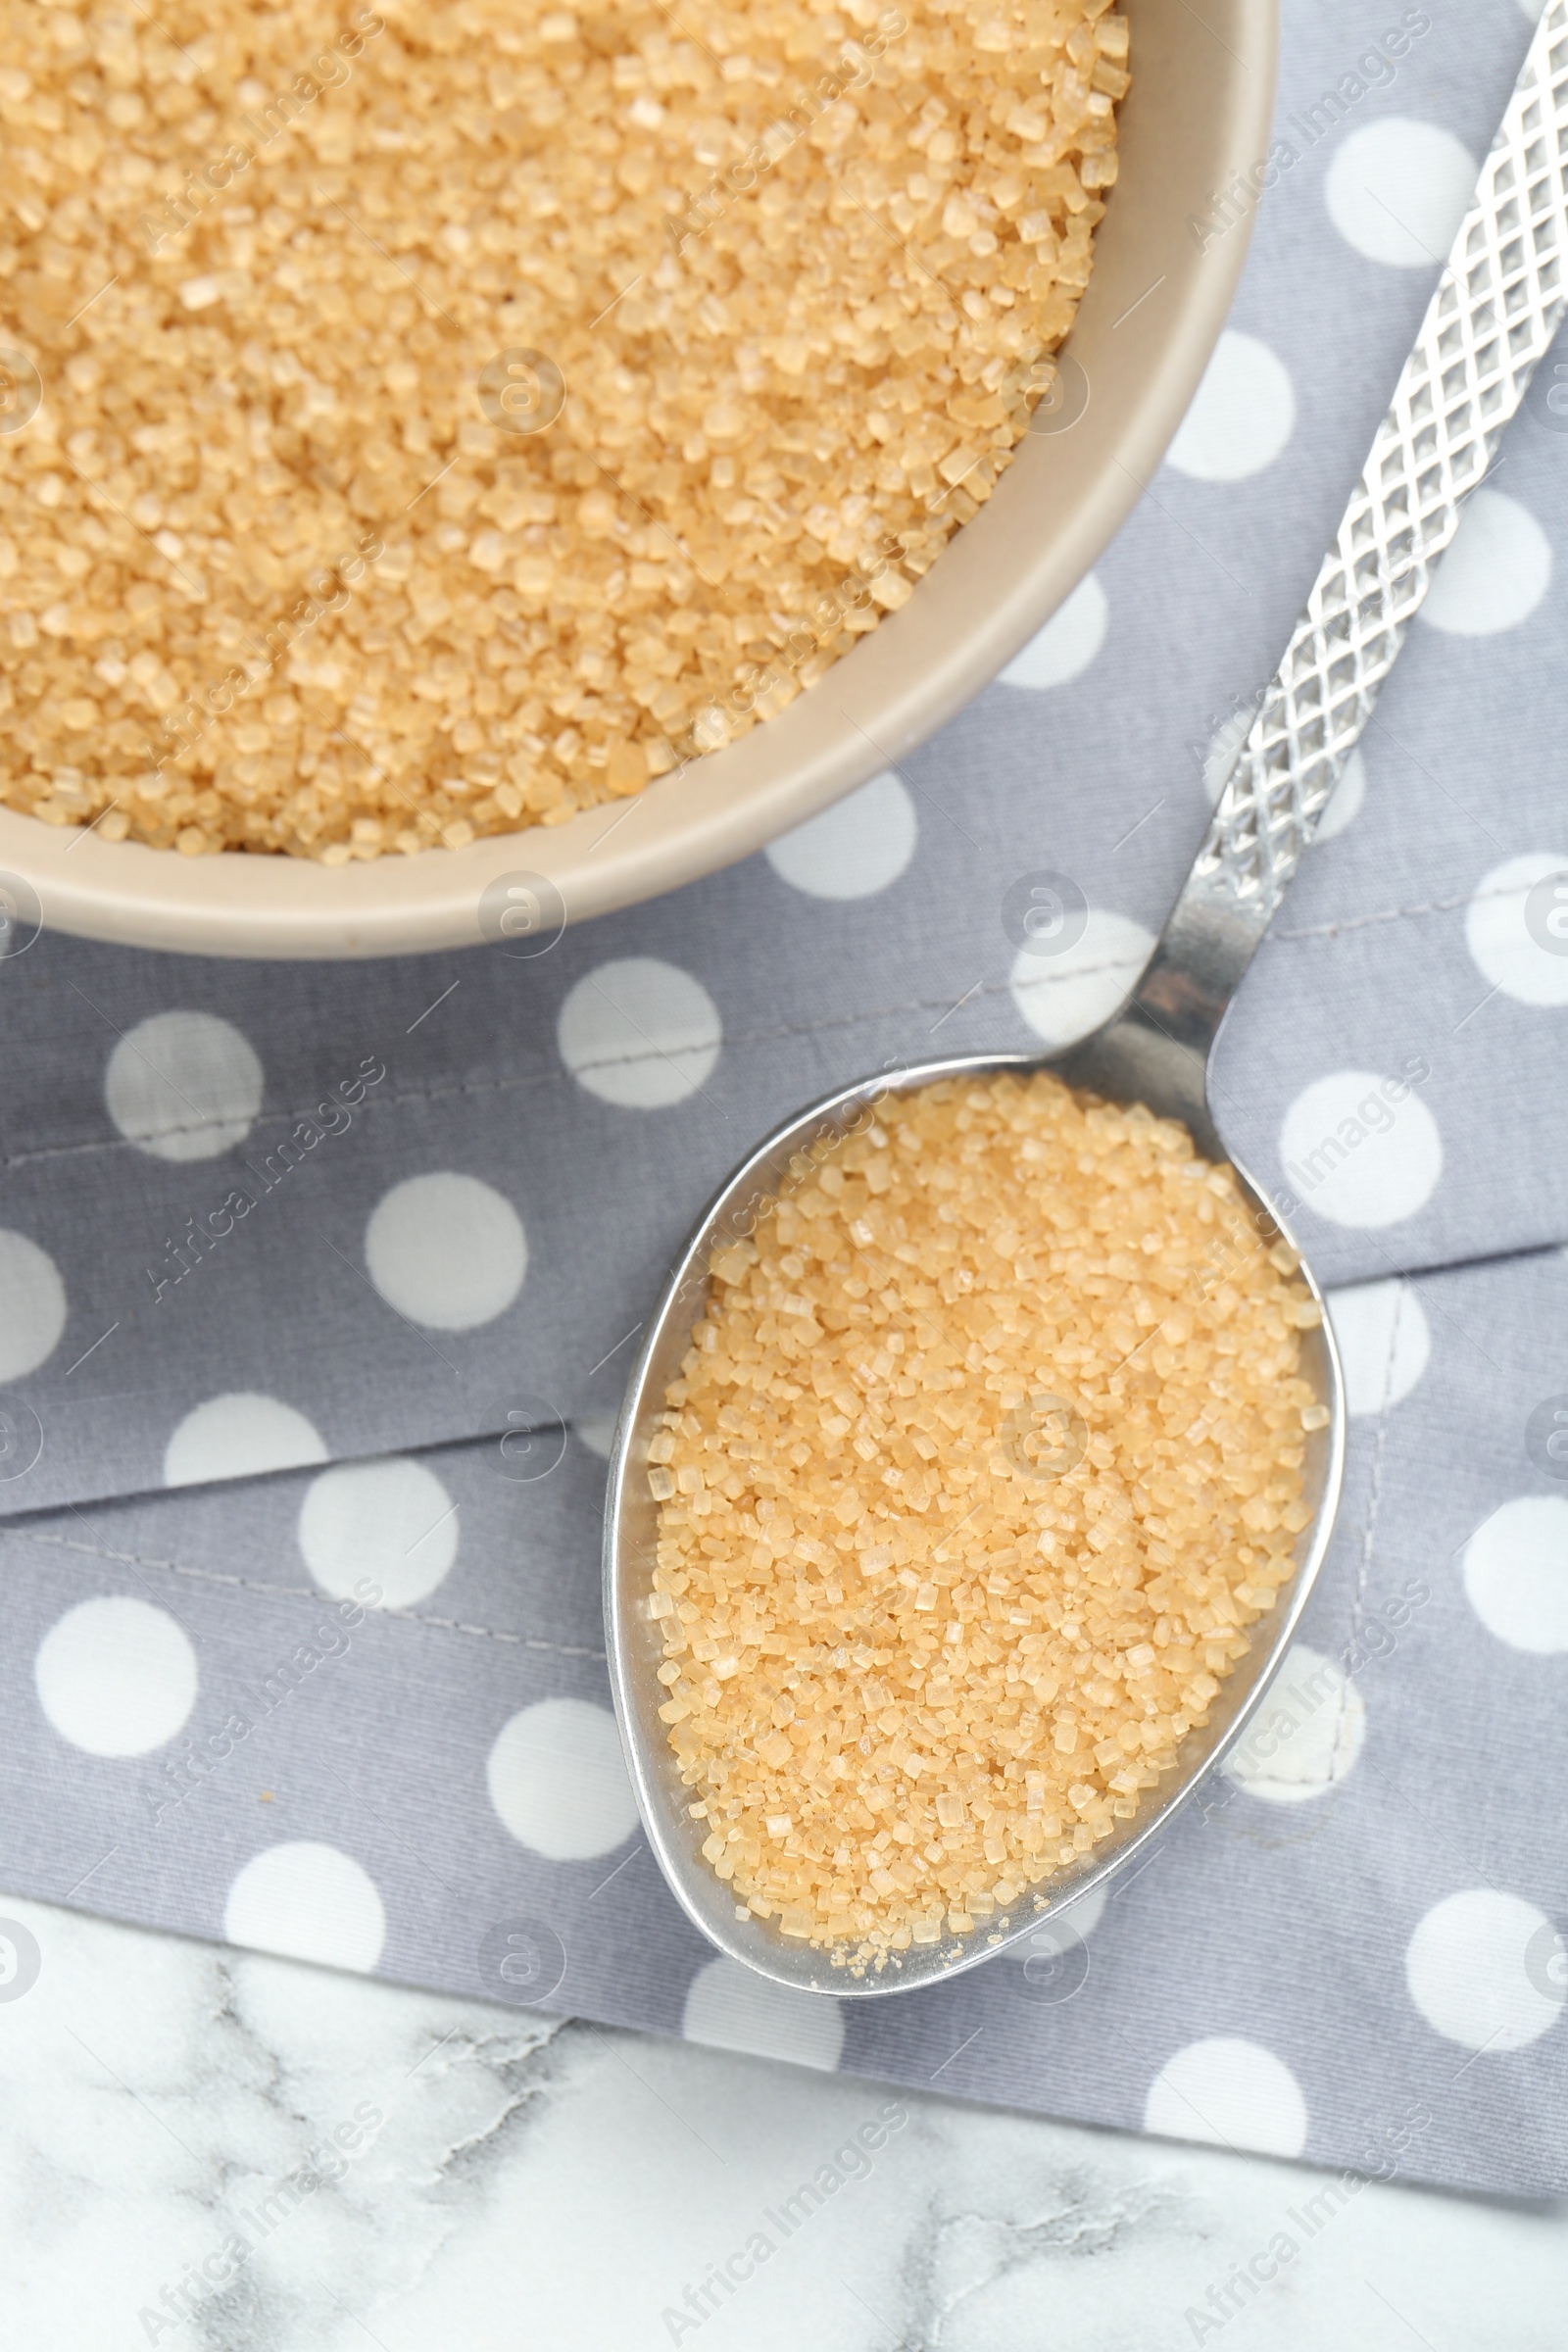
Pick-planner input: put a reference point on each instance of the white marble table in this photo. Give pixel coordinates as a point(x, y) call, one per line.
point(506, 2184)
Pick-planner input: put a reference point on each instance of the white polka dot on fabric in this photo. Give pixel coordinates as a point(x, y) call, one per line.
point(32, 1305)
point(1231, 2092)
point(640, 1033)
point(1494, 573)
point(446, 1250)
point(390, 1522)
point(116, 1677)
point(1064, 998)
point(1398, 190)
point(1516, 928)
point(1473, 1969)
point(853, 850)
point(1307, 1734)
point(1359, 1153)
point(308, 1902)
point(1345, 801)
point(1067, 644)
point(1242, 415)
point(239, 1436)
point(731, 2008)
point(1516, 1573)
point(184, 1086)
point(557, 1781)
point(1385, 1343)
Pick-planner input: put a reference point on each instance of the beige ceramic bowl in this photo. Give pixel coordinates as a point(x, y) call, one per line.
point(1198, 112)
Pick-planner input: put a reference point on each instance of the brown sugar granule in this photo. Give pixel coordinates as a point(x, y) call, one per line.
point(987, 1451)
point(298, 554)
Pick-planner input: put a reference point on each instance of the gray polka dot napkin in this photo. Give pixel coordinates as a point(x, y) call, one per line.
point(318, 1286)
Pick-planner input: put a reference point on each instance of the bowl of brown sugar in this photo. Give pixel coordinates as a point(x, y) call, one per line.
point(470, 454)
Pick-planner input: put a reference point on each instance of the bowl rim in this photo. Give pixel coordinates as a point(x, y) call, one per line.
point(907, 677)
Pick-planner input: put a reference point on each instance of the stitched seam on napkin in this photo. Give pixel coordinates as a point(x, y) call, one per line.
point(554, 1075)
point(246, 1584)
point(754, 1037)
point(1395, 915)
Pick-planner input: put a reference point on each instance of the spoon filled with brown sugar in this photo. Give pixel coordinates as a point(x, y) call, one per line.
point(988, 1437)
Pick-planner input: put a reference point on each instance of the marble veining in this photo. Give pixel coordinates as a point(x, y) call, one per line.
point(222, 2152)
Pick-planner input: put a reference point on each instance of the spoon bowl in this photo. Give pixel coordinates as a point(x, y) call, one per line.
point(635, 1642)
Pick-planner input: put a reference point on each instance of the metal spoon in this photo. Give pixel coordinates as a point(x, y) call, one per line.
point(1495, 313)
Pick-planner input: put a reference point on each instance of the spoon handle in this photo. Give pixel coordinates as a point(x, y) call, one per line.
point(1495, 312)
